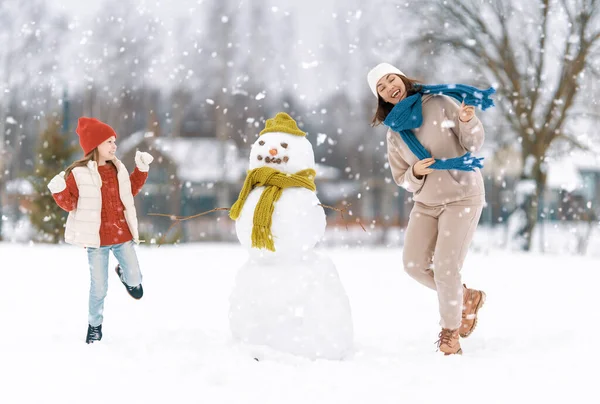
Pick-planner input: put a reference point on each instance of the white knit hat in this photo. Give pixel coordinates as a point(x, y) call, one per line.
point(378, 72)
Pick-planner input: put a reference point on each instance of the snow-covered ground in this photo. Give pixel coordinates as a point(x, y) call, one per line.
point(536, 341)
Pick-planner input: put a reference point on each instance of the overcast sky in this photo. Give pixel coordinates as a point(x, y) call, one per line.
point(310, 17)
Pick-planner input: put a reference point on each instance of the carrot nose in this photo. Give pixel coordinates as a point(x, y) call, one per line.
point(273, 152)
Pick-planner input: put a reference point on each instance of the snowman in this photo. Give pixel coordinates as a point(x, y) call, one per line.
point(286, 296)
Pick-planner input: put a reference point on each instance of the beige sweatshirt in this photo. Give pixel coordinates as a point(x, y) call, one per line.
point(443, 135)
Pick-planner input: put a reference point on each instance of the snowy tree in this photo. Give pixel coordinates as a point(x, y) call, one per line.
point(54, 153)
point(537, 53)
point(30, 50)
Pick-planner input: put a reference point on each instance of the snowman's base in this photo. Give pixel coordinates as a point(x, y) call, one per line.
point(294, 306)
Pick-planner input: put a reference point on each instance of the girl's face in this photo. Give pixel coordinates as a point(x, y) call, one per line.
point(391, 88)
point(107, 149)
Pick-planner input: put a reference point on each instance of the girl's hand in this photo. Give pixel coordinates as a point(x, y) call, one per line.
point(58, 183)
point(421, 167)
point(466, 112)
point(143, 160)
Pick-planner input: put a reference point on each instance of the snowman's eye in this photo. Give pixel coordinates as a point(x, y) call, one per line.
point(259, 157)
point(262, 142)
point(284, 145)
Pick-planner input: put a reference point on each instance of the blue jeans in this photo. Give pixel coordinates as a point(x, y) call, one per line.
point(98, 261)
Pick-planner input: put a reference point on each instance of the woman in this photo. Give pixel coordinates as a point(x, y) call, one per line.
point(429, 142)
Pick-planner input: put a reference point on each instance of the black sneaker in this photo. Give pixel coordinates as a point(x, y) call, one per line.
point(93, 334)
point(134, 291)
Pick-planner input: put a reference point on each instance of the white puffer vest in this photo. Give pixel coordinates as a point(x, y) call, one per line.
point(83, 222)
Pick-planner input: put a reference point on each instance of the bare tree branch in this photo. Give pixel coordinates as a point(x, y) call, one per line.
point(541, 56)
point(567, 91)
point(566, 84)
point(568, 12)
point(573, 142)
point(538, 96)
point(463, 11)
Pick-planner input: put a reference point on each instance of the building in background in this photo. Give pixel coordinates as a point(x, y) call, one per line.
point(183, 180)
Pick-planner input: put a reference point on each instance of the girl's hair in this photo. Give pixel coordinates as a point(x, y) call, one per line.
point(383, 108)
point(91, 156)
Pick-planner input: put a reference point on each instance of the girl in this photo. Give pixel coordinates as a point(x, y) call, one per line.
point(429, 141)
point(98, 192)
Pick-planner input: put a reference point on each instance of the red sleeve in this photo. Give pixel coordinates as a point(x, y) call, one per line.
point(67, 198)
point(138, 179)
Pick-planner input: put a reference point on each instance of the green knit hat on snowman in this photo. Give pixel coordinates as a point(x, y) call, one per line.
point(282, 123)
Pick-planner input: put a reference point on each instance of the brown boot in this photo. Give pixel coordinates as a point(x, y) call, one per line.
point(472, 302)
point(448, 342)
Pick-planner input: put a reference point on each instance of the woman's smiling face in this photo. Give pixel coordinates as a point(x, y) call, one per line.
point(391, 88)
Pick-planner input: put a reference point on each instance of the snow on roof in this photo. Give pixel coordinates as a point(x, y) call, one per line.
point(585, 160)
point(197, 159)
point(200, 159)
point(130, 142)
point(565, 172)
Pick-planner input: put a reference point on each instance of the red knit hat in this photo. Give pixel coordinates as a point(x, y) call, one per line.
point(92, 133)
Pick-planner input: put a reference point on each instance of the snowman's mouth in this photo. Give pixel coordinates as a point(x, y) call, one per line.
point(278, 160)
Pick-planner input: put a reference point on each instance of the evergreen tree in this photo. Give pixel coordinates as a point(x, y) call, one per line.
point(54, 153)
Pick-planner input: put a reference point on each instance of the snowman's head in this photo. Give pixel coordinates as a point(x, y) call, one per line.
point(282, 151)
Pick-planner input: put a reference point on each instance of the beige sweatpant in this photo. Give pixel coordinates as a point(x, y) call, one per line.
point(435, 245)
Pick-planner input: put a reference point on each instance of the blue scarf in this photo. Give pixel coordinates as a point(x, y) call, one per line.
point(408, 115)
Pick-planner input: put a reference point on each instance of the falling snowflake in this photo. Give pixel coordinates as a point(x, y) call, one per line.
point(321, 137)
point(310, 65)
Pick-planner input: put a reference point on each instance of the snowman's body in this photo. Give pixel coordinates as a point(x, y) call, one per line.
point(298, 222)
point(295, 306)
point(291, 299)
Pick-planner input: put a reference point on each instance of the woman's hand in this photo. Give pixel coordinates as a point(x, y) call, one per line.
point(421, 167)
point(466, 112)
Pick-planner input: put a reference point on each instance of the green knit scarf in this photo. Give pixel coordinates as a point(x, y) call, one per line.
point(275, 182)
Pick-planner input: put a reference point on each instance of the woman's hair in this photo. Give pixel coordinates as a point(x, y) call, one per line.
point(383, 108)
point(91, 156)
